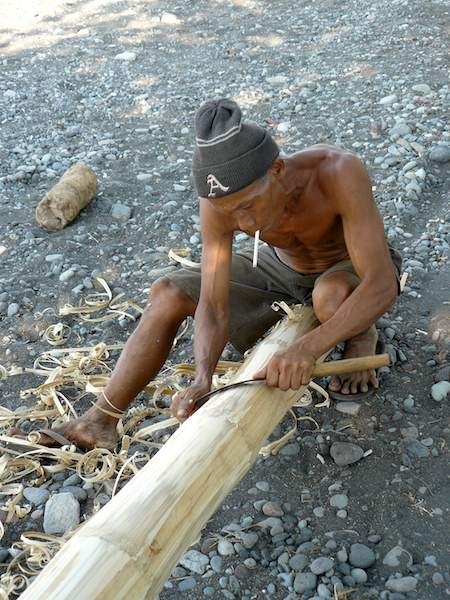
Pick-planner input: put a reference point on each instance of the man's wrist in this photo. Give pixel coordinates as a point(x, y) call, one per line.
point(203, 380)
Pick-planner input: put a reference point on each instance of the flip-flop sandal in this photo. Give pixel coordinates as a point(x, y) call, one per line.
point(358, 396)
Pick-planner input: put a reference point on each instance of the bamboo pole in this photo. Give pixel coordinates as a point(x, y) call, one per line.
point(128, 549)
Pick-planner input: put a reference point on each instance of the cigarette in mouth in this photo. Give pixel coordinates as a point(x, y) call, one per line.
point(255, 249)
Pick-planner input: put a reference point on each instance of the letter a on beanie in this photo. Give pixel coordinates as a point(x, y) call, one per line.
point(230, 153)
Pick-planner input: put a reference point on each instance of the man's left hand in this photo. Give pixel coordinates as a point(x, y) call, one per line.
point(288, 369)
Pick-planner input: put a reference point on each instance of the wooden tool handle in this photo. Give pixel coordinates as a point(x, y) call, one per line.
point(350, 365)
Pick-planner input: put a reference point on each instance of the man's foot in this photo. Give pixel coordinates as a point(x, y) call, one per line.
point(359, 384)
point(93, 430)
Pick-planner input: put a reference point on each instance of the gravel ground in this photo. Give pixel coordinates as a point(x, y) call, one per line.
point(116, 85)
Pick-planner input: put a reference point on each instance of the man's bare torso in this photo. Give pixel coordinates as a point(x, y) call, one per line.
point(310, 236)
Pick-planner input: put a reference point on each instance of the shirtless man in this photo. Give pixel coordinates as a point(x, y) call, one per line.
point(325, 244)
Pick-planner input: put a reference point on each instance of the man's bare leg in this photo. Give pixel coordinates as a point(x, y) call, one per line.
point(329, 293)
point(143, 356)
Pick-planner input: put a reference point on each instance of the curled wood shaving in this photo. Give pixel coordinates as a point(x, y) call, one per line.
point(179, 255)
point(57, 334)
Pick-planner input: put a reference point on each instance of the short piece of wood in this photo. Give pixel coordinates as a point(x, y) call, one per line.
point(128, 549)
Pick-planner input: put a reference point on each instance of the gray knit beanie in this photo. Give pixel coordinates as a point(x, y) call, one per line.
point(230, 154)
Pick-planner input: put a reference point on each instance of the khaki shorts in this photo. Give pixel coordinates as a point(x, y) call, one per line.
point(253, 290)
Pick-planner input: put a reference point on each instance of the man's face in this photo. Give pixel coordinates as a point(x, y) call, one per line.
point(255, 207)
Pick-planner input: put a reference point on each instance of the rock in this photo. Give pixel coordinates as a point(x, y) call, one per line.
point(121, 212)
point(272, 509)
point(126, 56)
point(398, 557)
point(342, 555)
point(348, 408)
point(440, 154)
point(439, 391)
point(361, 556)
point(262, 486)
point(359, 575)
point(248, 540)
point(66, 275)
point(298, 562)
point(339, 501)
point(186, 585)
point(216, 563)
point(402, 584)
point(387, 100)
point(421, 88)
point(36, 495)
point(283, 127)
point(225, 548)
point(319, 511)
point(437, 579)
point(290, 449)
point(320, 565)
point(194, 561)
point(417, 449)
point(305, 582)
point(62, 513)
point(345, 453)
point(13, 309)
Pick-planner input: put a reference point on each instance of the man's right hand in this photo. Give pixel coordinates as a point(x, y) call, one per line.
point(183, 403)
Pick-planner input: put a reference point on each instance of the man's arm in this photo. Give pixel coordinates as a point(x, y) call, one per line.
point(350, 186)
point(211, 321)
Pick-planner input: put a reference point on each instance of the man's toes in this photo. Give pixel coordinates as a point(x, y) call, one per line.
point(364, 386)
point(345, 389)
point(335, 384)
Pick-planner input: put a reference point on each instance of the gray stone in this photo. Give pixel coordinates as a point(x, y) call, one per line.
point(77, 492)
point(345, 453)
point(121, 212)
point(387, 100)
point(248, 540)
point(262, 486)
point(216, 563)
point(126, 56)
point(305, 582)
point(194, 561)
point(225, 548)
point(186, 585)
point(348, 408)
point(272, 509)
point(339, 501)
point(323, 592)
point(66, 275)
point(359, 575)
point(319, 511)
point(320, 565)
point(298, 562)
point(36, 496)
point(398, 557)
point(417, 449)
point(402, 584)
point(73, 479)
point(290, 449)
point(342, 555)
point(437, 579)
point(13, 309)
point(439, 391)
point(62, 513)
point(421, 88)
point(361, 556)
point(440, 154)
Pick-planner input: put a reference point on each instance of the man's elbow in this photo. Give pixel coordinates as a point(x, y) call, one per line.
point(389, 293)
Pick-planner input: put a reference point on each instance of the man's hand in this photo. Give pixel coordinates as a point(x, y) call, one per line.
point(183, 403)
point(288, 369)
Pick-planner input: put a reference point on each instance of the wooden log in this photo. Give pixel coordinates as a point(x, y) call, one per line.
point(129, 548)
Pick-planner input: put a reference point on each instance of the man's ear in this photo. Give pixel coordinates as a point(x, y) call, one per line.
point(278, 167)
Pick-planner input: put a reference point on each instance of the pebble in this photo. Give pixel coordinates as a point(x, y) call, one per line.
point(388, 100)
point(290, 449)
point(439, 391)
point(339, 501)
point(216, 563)
point(126, 56)
point(305, 582)
point(298, 562)
point(77, 492)
point(194, 561)
point(36, 495)
point(345, 453)
point(348, 408)
point(13, 309)
point(272, 509)
point(225, 548)
point(66, 275)
point(319, 511)
point(437, 579)
point(262, 486)
point(397, 557)
point(320, 565)
point(186, 585)
point(440, 154)
point(121, 212)
point(361, 556)
point(402, 584)
point(359, 575)
point(62, 513)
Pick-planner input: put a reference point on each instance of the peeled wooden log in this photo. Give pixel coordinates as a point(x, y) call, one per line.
point(129, 548)
point(67, 198)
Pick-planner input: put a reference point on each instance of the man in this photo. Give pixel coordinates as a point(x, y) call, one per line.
point(325, 244)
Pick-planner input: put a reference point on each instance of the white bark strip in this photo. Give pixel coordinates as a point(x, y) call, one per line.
point(128, 549)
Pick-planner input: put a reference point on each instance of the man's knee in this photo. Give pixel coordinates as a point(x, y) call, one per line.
point(167, 295)
point(331, 291)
